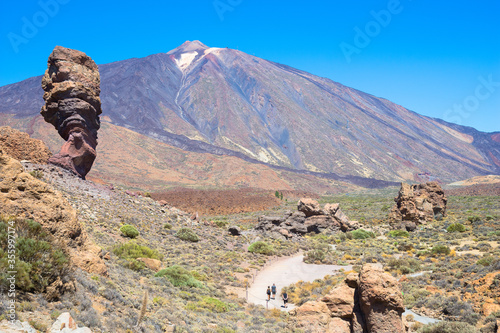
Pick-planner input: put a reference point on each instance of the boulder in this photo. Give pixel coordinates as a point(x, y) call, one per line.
point(331, 209)
point(234, 230)
point(338, 325)
point(380, 300)
point(340, 301)
point(318, 223)
point(309, 207)
point(417, 204)
point(72, 105)
point(66, 324)
point(352, 280)
point(17, 326)
point(20, 146)
point(152, 264)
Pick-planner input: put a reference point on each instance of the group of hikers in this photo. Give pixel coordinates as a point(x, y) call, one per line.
point(271, 294)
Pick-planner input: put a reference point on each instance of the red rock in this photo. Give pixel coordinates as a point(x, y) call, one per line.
point(340, 301)
point(72, 105)
point(380, 300)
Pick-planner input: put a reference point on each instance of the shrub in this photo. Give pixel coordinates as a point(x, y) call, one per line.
point(449, 327)
point(440, 249)
point(361, 234)
point(39, 259)
point(456, 227)
point(130, 251)
point(398, 233)
point(474, 218)
point(486, 261)
point(221, 223)
point(37, 174)
point(179, 277)
point(261, 247)
point(187, 234)
point(405, 265)
point(129, 231)
point(209, 304)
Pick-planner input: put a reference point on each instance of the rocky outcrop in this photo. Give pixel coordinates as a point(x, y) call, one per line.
point(63, 324)
point(72, 104)
point(20, 146)
point(309, 217)
point(418, 204)
point(24, 196)
point(370, 302)
point(380, 300)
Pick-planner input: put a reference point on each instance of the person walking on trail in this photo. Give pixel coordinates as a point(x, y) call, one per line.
point(285, 299)
point(273, 290)
point(268, 292)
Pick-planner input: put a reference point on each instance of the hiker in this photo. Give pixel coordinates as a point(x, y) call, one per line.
point(285, 299)
point(273, 290)
point(268, 292)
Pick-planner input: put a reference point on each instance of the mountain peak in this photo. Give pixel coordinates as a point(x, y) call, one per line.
point(189, 46)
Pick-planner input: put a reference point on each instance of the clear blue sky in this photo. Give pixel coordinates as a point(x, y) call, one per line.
point(438, 58)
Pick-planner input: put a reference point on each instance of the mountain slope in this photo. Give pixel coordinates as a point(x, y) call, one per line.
point(224, 101)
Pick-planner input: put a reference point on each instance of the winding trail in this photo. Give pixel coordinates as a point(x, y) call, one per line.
point(284, 272)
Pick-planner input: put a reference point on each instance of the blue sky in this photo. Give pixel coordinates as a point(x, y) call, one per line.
point(438, 58)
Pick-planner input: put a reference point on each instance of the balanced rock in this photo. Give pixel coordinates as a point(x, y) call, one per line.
point(417, 204)
point(72, 105)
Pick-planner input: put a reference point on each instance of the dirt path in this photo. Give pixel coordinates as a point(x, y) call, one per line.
point(284, 272)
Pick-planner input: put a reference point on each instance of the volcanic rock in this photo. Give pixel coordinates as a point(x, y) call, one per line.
point(417, 204)
point(20, 146)
point(368, 302)
point(309, 207)
point(380, 300)
point(72, 105)
point(309, 218)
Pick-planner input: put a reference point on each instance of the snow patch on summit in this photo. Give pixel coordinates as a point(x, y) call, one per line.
point(185, 60)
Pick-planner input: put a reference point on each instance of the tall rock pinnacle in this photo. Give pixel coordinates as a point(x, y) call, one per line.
point(72, 104)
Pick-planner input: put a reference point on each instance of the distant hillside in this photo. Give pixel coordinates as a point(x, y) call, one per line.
point(225, 102)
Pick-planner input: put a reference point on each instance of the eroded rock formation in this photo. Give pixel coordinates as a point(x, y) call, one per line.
point(417, 204)
point(72, 104)
point(20, 146)
point(22, 195)
point(370, 302)
point(309, 217)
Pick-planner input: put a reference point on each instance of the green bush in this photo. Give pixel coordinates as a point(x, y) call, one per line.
point(129, 231)
point(39, 259)
point(398, 233)
point(440, 249)
point(474, 218)
point(486, 261)
point(179, 277)
point(37, 174)
point(129, 252)
point(209, 304)
point(261, 247)
point(167, 226)
point(221, 223)
point(187, 234)
point(456, 227)
point(361, 234)
point(405, 265)
point(448, 327)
